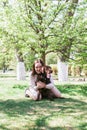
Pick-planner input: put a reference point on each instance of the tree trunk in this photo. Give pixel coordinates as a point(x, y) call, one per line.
point(43, 57)
point(62, 71)
point(65, 52)
point(21, 75)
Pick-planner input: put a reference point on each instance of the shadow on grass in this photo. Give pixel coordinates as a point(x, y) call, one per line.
point(4, 128)
point(71, 88)
point(19, 86)
point(43, 109)
point(21, 107)
point(45, 128)
point(55, 128)
point(83, 126)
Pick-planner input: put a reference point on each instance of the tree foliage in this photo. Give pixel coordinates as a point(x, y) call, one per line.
point(40, 27)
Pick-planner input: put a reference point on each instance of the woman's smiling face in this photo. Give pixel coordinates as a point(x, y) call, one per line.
point(38, 68)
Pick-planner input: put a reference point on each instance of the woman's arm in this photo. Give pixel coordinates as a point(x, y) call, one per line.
point(51, 84)
point(33, 91)
point(32, 80)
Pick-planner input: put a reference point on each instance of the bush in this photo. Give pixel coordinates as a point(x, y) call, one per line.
point(73, 73)
point(78, 70)
point(84, 70)
point(54, 68)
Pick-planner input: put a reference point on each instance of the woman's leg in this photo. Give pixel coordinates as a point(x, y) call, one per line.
point(56, 92)
point(35, 95)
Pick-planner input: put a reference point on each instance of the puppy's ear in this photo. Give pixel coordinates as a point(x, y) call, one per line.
point(51, 71)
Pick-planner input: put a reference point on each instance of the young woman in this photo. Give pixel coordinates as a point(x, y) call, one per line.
point(34, 89)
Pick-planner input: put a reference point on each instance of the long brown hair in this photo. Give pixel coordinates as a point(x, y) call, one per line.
point(33, 68)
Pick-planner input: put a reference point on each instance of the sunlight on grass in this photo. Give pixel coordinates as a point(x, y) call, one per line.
point(61, 121)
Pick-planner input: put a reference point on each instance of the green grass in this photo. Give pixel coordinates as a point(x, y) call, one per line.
point(20, 113)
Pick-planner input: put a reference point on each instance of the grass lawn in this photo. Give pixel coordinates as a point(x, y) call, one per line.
point(20, 113)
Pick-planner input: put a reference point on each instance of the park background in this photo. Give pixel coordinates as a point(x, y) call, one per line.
point(55, 31)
